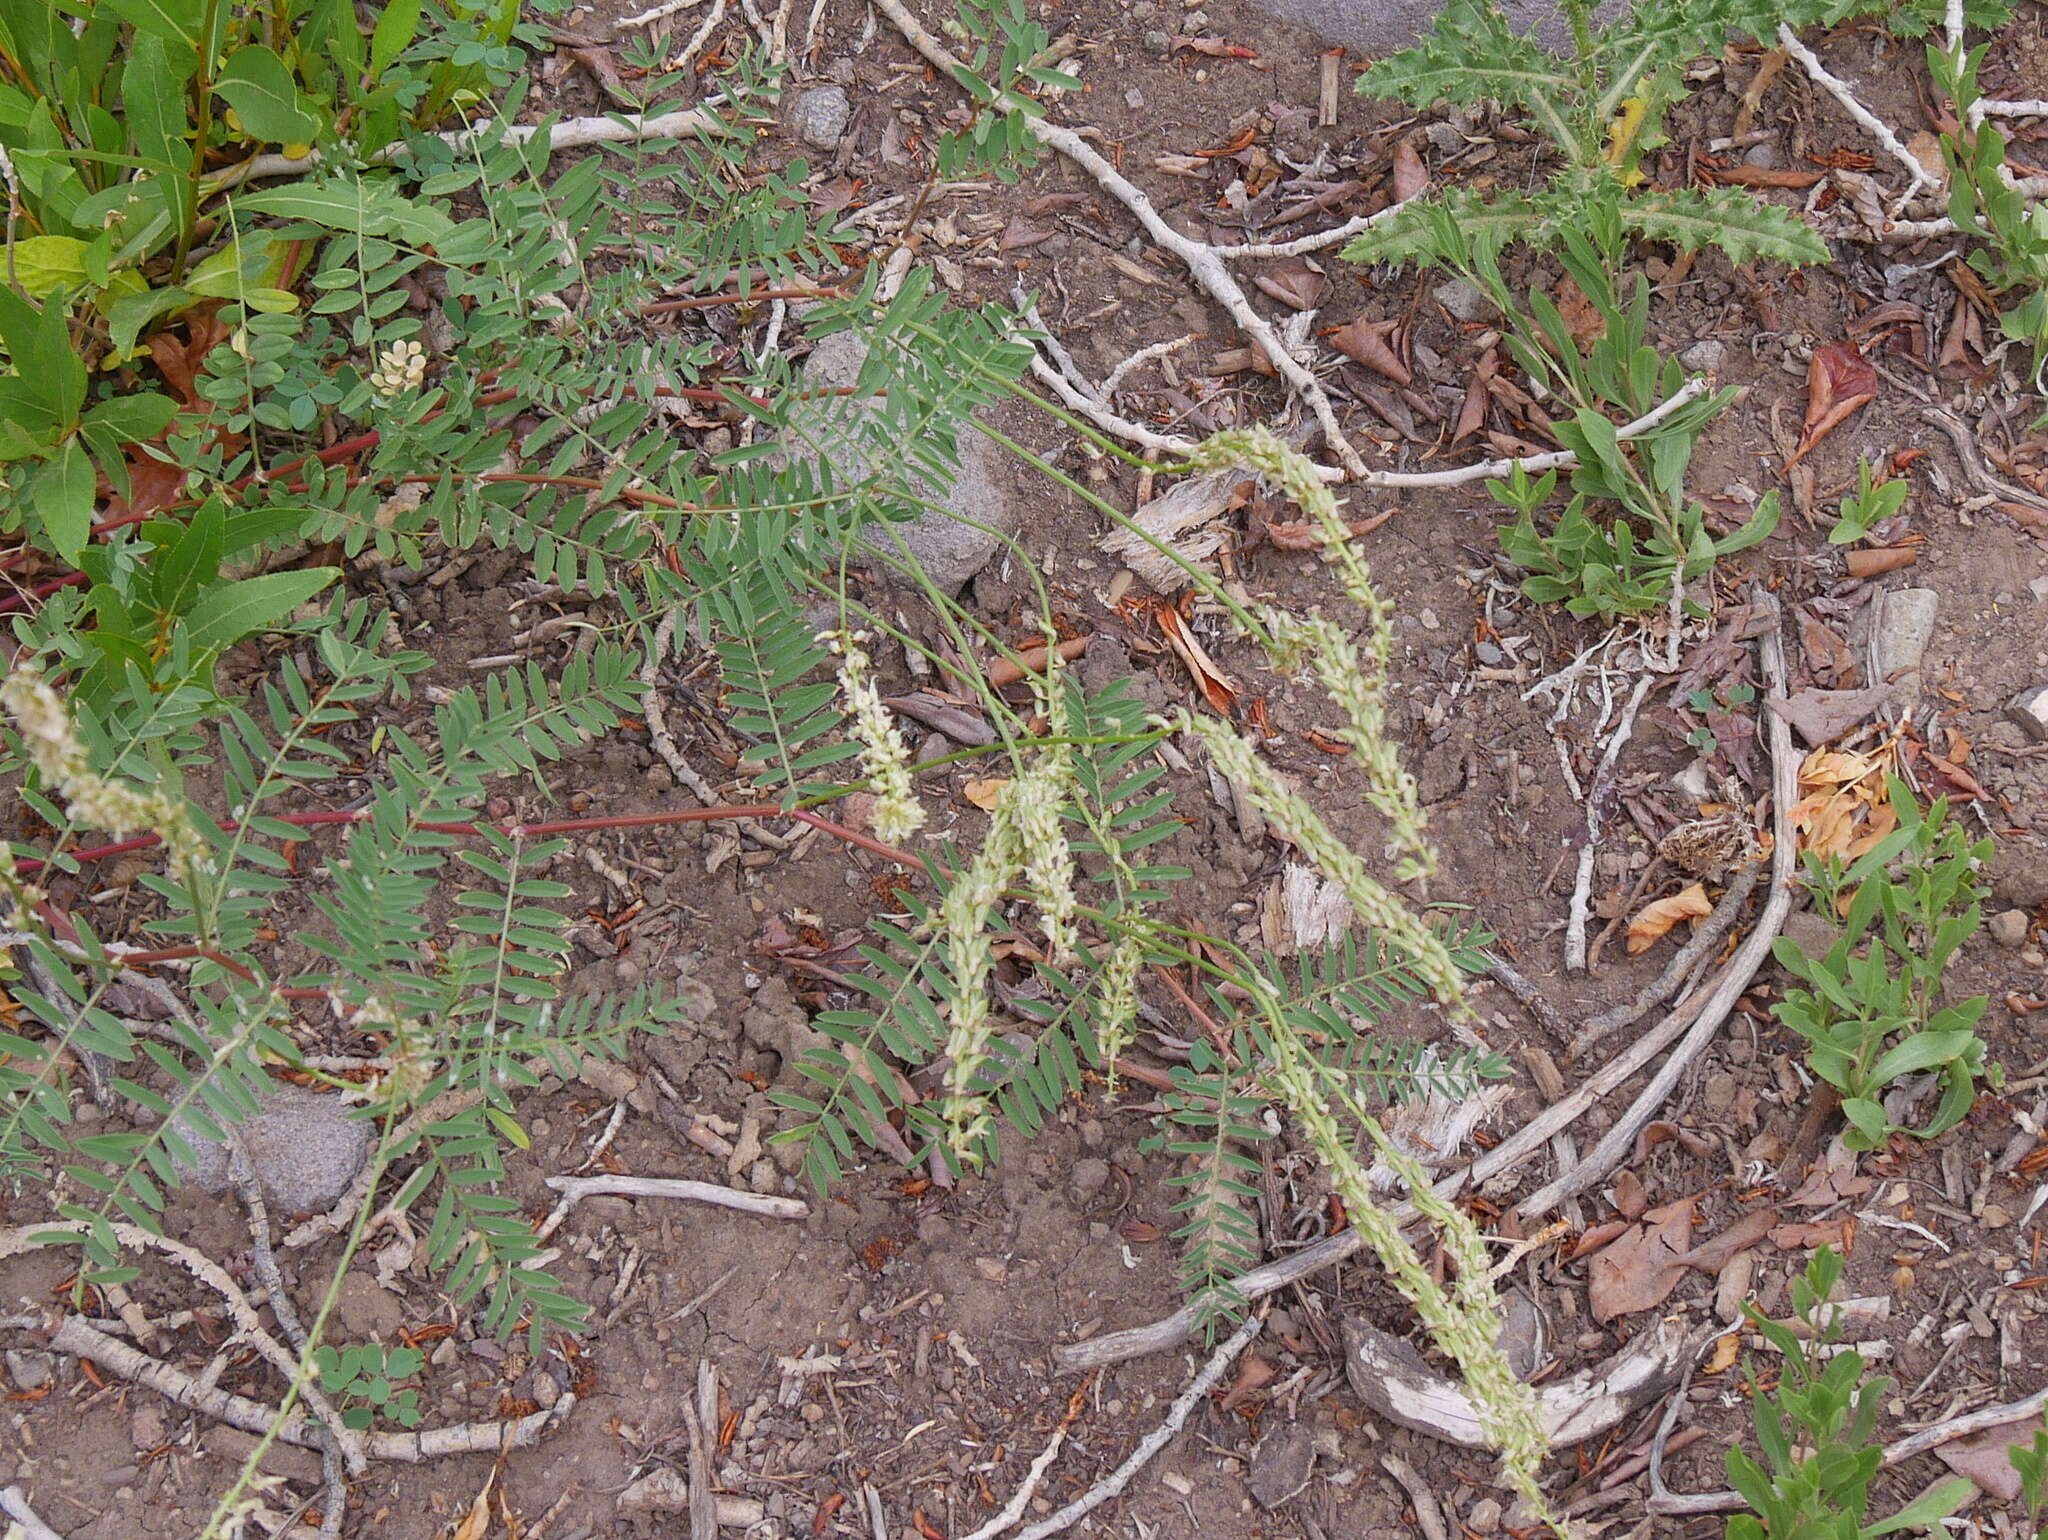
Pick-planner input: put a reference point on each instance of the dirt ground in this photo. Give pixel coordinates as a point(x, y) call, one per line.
point(896, 1341)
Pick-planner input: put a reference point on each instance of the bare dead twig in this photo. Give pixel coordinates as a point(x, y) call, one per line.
point(574, 1189)
point(1733, 979)
point(14, 1504)
point(1660, 989)
point(81, 1341)
point(702, 1421)
point(1177, 1415)
point(1429, 1516)
point(1201, 259)
point(1596, 820)
point(248, 1326)
point(1869, 121)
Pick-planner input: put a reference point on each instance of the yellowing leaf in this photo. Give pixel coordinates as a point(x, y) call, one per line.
point(985, 792)
point(1658, 918)
point(473, 1524)
point(1726, 1350)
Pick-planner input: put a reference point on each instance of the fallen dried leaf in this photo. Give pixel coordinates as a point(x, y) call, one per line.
point(1763, 176)
point(471, 1525)
point(1839, 382)
point(1867, 563)
point(1294, 283)
point(1711, 1256)
point(1630, 1201)
point(1216, 48)
point(1726, 1351)
point(1657, 919)
point(1215, 686)
point(1837, 1233)
point(1371, 343)
point(1639, 1271)
point(1411, 177)
point(985, 791)
point(1822, 716)
point(1595, 1237)
point(1253, 1374)
point(1983, 1458)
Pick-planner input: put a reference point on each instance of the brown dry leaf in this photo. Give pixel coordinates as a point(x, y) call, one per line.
point(1960, 781)
point(1838, 1233)
point(1658, 918)
point(1630, 1201)
point(1411, 177)
point(1868, 563)
point(1140, 1232)
point(985, 791)
point(1294, 283)
point(1764, 176)
point(1253, 1375)
point(1822, 716)
point(1215, 686)
point(1711, 1256)
point(1471, 411)
point(1663, 1131)
point(1216, 48)
point(1180, 165)
point(1839, 382)
point(1827, 654)
point(1639, 1271)
point(1372, 344)
point(1595, 1237)
point(473, 1524)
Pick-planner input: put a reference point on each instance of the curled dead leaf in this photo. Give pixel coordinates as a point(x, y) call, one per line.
point(1373, 344)
point(1657, 919)
point(1215, 686)
point(1869, 563)
point(1840, 381)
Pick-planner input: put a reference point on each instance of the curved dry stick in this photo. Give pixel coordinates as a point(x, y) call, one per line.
point(247, 1324)
point(1114, 1483)
point(574, 1189)
point(1869, 121)
point(569, 134)
point(1616, 1143)
point(1658, 990)
point(78, 1340)
point(1392, 1379)
point(1201, 259)
point(14, 1505)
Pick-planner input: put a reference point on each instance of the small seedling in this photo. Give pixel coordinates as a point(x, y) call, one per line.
point(1868, 506)
point(364, 1378)
point(1704, 702)
point(1815, 1431)
point(1873, 1010)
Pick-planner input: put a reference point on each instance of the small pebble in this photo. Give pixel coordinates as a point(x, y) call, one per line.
point(2009, 929)
point(813, 1412)
point(1157, 42)
point(1485, 1516)
point(1489, 654)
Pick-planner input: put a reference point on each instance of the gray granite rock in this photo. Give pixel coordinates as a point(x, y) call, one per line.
point(943, 540)
point(305, 1147)
point(820, 116)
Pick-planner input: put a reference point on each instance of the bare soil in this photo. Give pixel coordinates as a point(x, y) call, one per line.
point(938, 1307)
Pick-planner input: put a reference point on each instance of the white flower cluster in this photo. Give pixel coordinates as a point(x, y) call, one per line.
point(964, 915)
point(402, 367)
point(885, 757)
point(59, 758)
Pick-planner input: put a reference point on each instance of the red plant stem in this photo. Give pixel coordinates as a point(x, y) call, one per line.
point(530, 830)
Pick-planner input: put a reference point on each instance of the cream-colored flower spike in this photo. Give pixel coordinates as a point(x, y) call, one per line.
point(885, 757)
point(122, 809)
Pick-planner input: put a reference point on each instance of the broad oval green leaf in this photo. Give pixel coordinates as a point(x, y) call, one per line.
point(236, 610)
point(259, 86)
